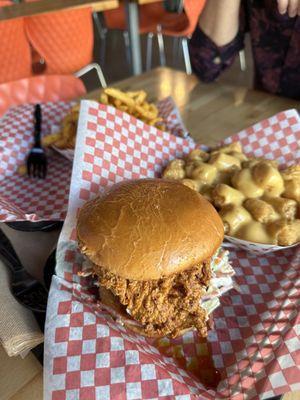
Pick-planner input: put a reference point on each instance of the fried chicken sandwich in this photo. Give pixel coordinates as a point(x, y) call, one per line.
point(154, 246)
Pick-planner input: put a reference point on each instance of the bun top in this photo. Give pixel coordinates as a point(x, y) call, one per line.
point(148, 229)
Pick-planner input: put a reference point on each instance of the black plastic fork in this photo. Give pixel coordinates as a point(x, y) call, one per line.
point(37, 159)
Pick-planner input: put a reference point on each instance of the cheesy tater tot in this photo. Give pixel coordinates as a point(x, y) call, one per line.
point(286, 208)
point(174, 170)
point(223, 195)
point(260, 210)
point(198, 154)
point(292, 190)
point(243, 181)
point(291, 178)
point(224, 162)
point(268, 178)
point(233, 218)
point(205, 173)
point(190, 165)
point(223, 177)
point(291, 173)
point(284, 232)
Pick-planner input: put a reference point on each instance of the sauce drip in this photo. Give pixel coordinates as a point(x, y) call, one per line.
point(194, 357)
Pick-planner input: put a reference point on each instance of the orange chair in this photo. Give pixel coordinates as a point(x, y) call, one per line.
point(53, 43)
point(149, 14)
point(180, 26)
point(115, 19)
point(155, 20)
point(14, 50)
point(64, 39)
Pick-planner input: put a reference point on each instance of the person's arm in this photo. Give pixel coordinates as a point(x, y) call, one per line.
point(219, 20)
point(217, 39)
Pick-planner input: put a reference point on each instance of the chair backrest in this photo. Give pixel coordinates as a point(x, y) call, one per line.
point(4, 3)
point(40, 89)
point(193, 9)
point(115, 19)
point(148, 15)
point(15, 57)
point(64, 39)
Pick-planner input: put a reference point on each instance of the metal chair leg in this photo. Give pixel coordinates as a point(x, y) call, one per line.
point(242, 57)
point(132, 16)
point(88, 68)
point(127, 46)
point(103, 47)
point(175, 49)
point(186, 55)
point(149, 51)
point(160, 41)
point(102, 32)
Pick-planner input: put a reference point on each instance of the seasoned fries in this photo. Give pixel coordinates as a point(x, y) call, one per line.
point(66, 137)
point(134, 103)
point(22, 169)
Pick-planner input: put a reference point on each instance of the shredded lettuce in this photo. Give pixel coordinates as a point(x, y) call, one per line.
point(221, 281)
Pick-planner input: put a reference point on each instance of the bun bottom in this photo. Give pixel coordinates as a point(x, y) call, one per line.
point(119, 314)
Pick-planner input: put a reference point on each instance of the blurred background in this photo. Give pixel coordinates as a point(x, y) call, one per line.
point(45, 47)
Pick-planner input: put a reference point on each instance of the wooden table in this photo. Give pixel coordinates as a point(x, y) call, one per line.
point(26, 9)
point(211, 112)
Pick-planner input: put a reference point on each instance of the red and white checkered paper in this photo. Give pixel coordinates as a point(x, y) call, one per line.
point(22, 198)
point(255, 341)
point(172, 118)
point(167, 110)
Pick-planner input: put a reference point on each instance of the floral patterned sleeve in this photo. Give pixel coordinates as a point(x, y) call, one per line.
point(208, 60)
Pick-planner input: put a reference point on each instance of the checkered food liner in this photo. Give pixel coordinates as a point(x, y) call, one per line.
point(254, 346)
point(168, 111)
point(23, 198)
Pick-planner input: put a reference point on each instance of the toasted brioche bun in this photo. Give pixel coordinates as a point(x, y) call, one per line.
point(148, 229)
point(118, 312)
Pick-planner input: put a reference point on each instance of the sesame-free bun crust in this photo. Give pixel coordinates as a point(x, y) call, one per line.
point(149, 228)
